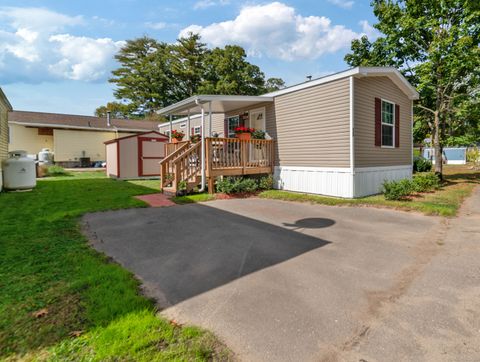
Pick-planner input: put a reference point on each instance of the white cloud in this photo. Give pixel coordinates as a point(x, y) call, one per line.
point(156, 26)
point(369, 30)
point(83, 58)
point(203, 4)
point(35, 46)
point(276, 30)
point(346, 4)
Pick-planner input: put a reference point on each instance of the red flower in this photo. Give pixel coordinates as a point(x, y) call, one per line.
point(242, 129)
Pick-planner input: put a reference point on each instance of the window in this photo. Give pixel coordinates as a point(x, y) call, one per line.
point(197, 130)
point(388, 123)
point(167, 133)
point(233, 122)
point(183, 125)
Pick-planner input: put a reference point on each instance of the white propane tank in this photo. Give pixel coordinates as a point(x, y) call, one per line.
point(19, 171)
point(45, 156)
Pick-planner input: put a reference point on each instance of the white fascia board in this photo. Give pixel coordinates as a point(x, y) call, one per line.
point(390, 72)
point(180, 120)
point(52, 125)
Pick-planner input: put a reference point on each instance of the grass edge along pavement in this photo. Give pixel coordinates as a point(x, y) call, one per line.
point(61, 300)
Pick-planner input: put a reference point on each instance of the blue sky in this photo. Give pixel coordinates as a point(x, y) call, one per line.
point(56, 56)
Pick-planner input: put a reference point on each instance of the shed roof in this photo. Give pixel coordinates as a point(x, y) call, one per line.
point(70, 121)
point(159, 135)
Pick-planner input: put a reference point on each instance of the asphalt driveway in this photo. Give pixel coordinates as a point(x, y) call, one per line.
point(275, 280)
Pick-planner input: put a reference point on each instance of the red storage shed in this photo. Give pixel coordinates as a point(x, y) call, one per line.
point(135, 156)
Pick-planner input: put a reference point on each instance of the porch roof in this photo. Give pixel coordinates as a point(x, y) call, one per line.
point(218, 103)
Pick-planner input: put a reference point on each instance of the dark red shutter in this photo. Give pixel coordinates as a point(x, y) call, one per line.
point(397, 125)
point(225, 128)
point(378, 122)
point(192, 132)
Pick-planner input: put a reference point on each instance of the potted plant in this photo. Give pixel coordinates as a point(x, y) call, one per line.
point(194, 138)
point(258, 134)
point(177, 136)
point(244, 133)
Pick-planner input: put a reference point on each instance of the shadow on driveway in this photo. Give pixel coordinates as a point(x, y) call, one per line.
point(183, 251)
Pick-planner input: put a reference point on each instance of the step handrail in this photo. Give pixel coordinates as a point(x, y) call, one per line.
point(164, 164)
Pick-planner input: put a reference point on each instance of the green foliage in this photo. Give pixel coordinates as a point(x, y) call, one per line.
point(258, 134)
point(56, 171)
point(154, 74)
point(232, 185)
point(435, 45)
point(265, 182)
point(473, 155)
point(426, 181)
point(182, 185)
point(397, 190)
point(421, 164)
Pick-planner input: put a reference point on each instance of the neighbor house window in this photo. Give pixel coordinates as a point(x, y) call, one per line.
point(167, 133)
point(388, 123)
point(183, 125)
point(197, 130)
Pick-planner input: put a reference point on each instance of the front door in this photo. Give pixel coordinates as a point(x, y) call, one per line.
point(150, 152)
point(257, 119)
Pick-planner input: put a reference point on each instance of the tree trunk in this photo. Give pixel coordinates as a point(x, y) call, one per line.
point(437, 147)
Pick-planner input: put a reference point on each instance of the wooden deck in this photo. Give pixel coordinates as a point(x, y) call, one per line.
point(223, 157)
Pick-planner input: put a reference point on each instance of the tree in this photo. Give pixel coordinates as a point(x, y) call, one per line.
point(116, 109)
point(274, 84)
point(435, 43)
point(187, 65)
point(144, 78)
point(226, 71)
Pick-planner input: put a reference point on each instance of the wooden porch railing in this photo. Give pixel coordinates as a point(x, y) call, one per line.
point(172, 147)
point(232, 156)
point(223, 157)
point(167, 165)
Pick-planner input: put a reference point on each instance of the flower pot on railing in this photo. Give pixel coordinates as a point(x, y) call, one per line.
point(176, 140)
point(244, 136)
point(244, 133)
point(177, 136)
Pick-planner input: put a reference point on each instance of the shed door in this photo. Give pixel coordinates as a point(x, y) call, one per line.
point(150, 152)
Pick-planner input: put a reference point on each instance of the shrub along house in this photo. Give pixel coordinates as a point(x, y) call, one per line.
point(339, 135)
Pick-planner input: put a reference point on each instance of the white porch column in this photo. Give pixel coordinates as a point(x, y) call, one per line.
point(188, 125)
point(210, 119)
point(203, 150)
point(171, 129)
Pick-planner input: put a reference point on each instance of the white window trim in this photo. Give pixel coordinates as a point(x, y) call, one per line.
point(387, 124)
point(228, 120)
point(197, 130)
point(258, 110)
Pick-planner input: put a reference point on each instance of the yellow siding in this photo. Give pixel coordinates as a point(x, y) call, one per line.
point(27, 139)
point(70, 145)
point(366, 153)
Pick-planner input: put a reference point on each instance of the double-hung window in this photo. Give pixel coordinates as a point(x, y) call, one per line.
point(197, 130)
point(388, 124)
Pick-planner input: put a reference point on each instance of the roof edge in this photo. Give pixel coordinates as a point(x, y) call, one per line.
point(63, 126)
point(5, 99)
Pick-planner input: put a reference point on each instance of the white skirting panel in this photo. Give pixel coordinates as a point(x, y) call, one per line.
point(315, 180)
point(369, 180)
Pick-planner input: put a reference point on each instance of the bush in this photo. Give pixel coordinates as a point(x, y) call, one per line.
point(473, 155)
point(56, 171)
point(421, 164)
point(231, 185)
point(397, 190)
point(266, 183)
point(427, 181)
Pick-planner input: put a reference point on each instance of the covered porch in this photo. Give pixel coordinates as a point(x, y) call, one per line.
point(188, 165)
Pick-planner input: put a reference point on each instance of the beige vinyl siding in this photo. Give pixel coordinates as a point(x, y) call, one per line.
point(28, 139)
point(366, 153)
point(217, 124)
point(70, 144)
point(312, 126)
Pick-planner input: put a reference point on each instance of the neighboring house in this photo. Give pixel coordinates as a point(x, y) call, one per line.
point(339, 135)
point(70, 137)
point(193, 127)
point(450, 155)
point(5, 107)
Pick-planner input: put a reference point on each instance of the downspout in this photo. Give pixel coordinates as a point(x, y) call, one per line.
point(188, 126)
point(171, 129)
point(202, 184)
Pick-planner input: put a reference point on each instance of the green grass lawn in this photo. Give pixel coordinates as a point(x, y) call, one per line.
point(459, 183)
point(47, 266)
